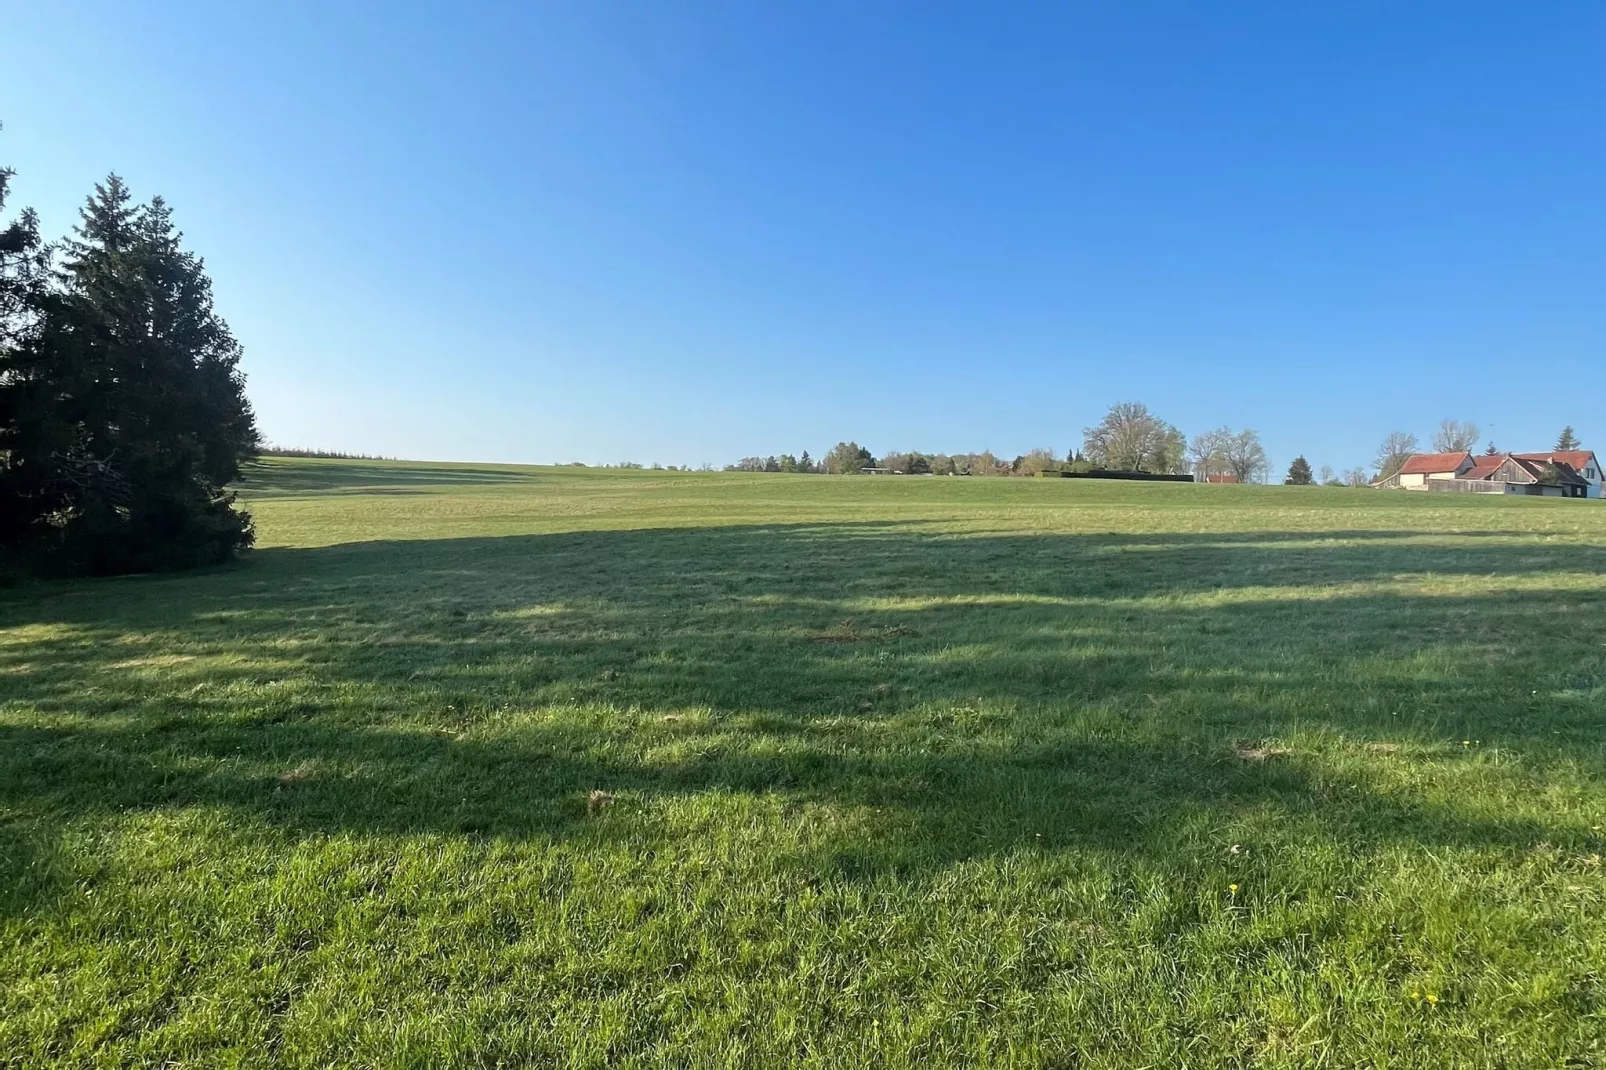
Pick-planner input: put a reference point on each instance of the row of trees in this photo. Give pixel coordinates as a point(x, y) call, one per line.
point(1300, 474)
point(850, 458)
point(786, 462)
point(1129, 438)
point(123, 414)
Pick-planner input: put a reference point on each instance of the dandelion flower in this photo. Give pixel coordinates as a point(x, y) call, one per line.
point(1431, 998)
point(1232, 889)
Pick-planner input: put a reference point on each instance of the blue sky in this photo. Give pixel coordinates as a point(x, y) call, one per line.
point(685, 232)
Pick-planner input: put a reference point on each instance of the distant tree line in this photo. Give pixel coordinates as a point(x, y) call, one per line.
point(786, 462)
point(123, 416)
point(850, 458)
point(327, 455)
point(1129, 438)
point(655, 466)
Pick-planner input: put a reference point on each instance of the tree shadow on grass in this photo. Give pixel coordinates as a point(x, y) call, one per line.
point(972, 694)
point(275, 480)
point(1116, 797)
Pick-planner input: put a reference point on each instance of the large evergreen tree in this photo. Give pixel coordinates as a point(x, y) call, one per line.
point(1299, 473)
point(124, 414)
point(24, 261)
point(1568, 440)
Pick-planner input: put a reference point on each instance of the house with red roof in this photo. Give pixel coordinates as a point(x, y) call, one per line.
point(1421, 467)
point(1584, 462)
point(1540, 474)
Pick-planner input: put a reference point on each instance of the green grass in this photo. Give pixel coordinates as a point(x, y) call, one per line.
point(903, 772)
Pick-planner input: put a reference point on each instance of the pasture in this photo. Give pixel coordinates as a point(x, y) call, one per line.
point(479, 765)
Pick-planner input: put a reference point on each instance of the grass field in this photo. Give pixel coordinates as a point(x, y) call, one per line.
point(892, 772)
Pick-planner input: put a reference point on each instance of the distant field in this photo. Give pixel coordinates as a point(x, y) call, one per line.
point(904, 772)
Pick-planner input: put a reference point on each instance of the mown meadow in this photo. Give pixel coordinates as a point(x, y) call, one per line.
point(477, 765)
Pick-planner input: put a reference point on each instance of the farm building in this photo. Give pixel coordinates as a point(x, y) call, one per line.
point(1547, 475)
point(1221, 479)
point(1421, 467)
point(1583, 462)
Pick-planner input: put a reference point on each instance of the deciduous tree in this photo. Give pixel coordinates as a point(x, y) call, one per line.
point(1207, 453)
point(1227, 452)
point(980, 464)
point(1455, 436)
point(1033, 461)
point(1396, 448)
point(1172, 458)
point(1131, 438)
point(1246, 457)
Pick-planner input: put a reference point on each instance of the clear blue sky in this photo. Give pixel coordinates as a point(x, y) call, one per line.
point(685, 232)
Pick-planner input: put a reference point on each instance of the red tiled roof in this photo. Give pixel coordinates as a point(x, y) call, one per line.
point(1426, 464)
point(1533, 464)
point(1575, 458)
point(1566, 472)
